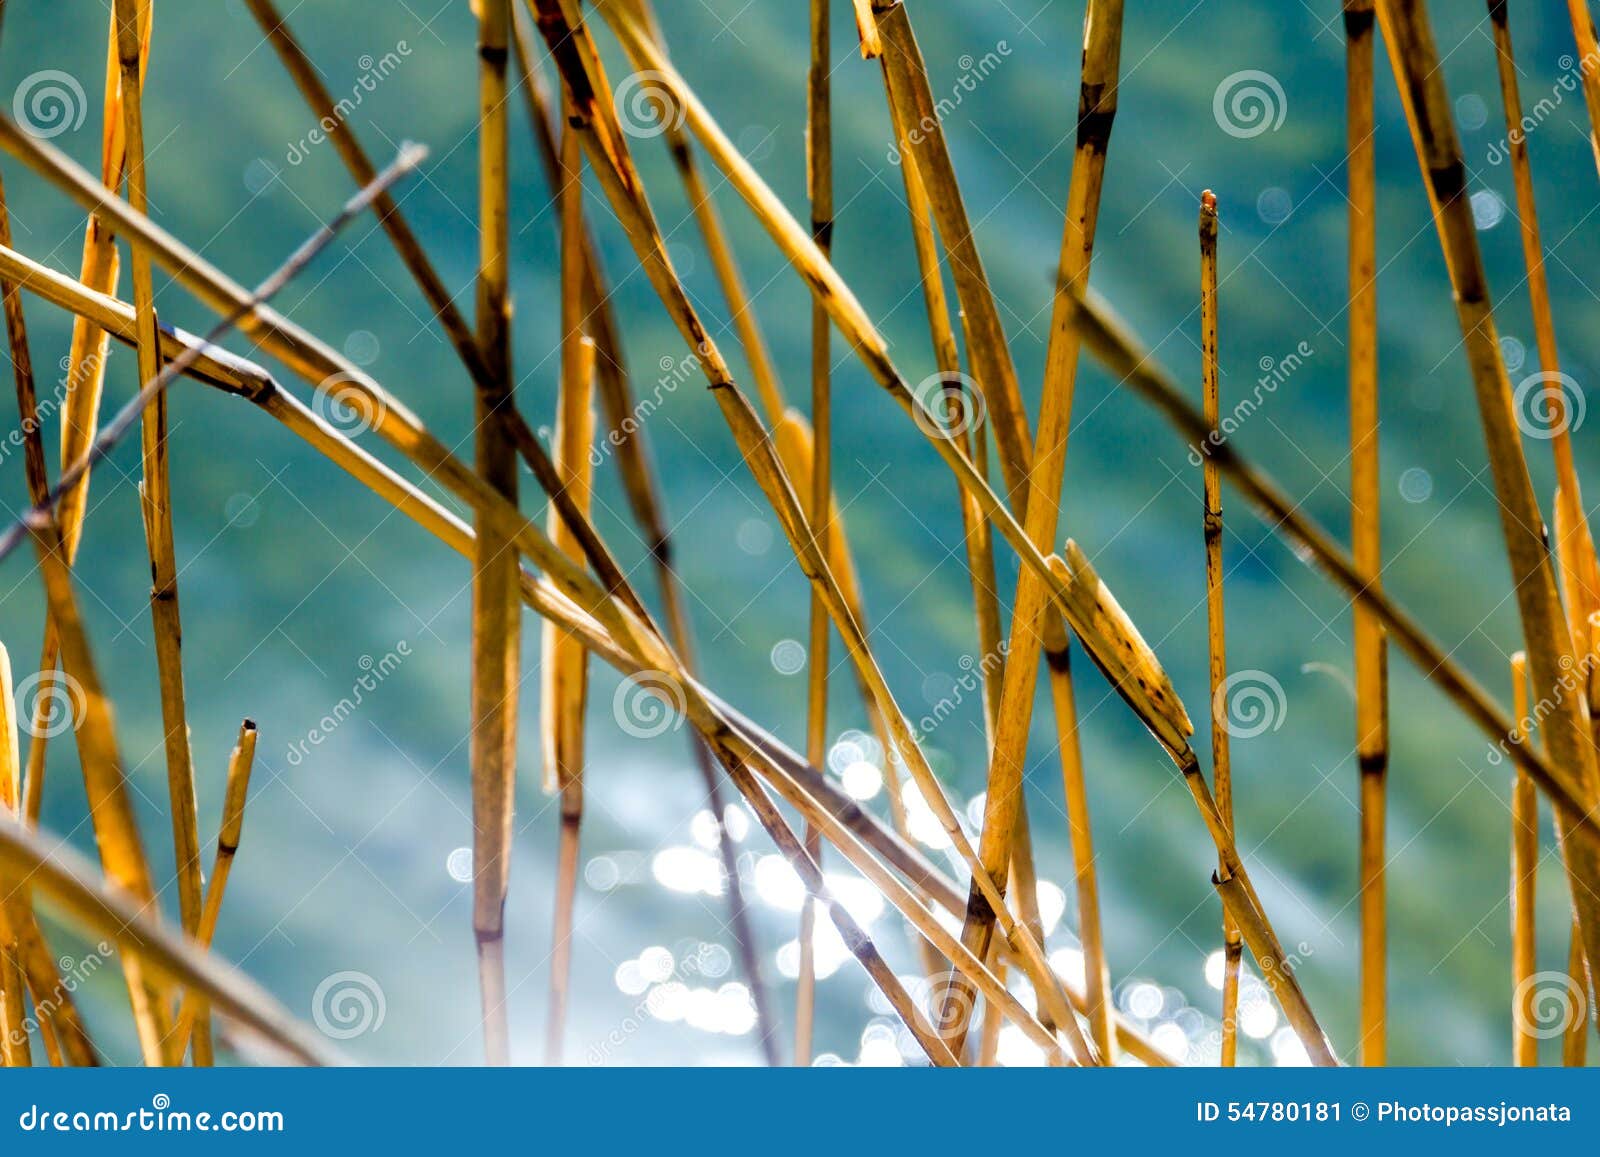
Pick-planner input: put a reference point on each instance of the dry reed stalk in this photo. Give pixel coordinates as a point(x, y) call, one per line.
point(564, 670)
point(1097, 105)
point(110, 809)
point(194, 1013)
point(609, 156)
point(1371, 651)
point(1409, 38)
point(1216, 633)
point(155, 489)
point(741, 311)
point(496, 610)
point(819, 502)
point(1110, 340)
point(911, 102)
point(1524, 885)
point(57, 872)
point(626, 434)
point(1583, 34)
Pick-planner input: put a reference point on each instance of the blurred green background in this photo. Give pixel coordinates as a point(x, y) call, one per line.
point(294, 580)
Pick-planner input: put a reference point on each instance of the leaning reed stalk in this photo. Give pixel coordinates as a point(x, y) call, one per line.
point(495, 611)
point(1097, 106)
point(911, 101)
point(1578, 570)
point(1371, 651)
point(819, 505)
point(85, 380)
point(565, 665)
point(244, 379)
point(793, 434)
point(155, 490)
point(641, 486)
point(110, 808)
point(1109, 339)
point(609, 156)
point(194, 1014)
point(1524, 885)
point(1409, 38)
point(20, 938)
point(1216, 633)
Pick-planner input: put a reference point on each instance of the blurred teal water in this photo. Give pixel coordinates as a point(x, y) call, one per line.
point(295, 582)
